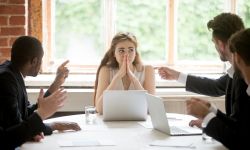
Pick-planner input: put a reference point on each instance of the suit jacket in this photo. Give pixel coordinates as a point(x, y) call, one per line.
point(233, 130)
point(212, 87)
point(15, 136)
point(15, 106)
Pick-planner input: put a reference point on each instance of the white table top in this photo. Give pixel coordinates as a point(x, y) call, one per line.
point(126, 135)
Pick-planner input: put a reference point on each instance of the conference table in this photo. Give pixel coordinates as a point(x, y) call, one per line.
point(120, 135)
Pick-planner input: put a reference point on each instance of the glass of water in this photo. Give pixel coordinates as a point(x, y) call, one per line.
point(90, 114)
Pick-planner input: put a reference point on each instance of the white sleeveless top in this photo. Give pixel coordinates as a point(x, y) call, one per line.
point(119, 86)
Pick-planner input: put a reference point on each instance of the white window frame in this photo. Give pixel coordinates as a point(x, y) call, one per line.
point(110, 29)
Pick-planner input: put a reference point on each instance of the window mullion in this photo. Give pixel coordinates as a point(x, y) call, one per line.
point(109, 21)
point(233, 6)
point(171, 32)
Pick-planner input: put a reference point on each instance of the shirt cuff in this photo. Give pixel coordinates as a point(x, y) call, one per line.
point(248, 90)
point(47, 94)
point(213, 108)
point(207, 118)
point(182, 78)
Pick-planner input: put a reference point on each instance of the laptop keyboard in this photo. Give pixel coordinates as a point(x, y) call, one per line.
point(176, 130)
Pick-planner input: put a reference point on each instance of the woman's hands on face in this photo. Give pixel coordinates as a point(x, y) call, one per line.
point(129, 71)
point(123, 69)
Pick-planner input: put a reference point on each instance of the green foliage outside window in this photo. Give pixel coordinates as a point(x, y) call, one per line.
point(244, 11)
point(193, 37)
point(147, 20)
point(79, 27)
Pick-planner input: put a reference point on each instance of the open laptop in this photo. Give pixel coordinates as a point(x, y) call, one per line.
point(124, 105)
point(160, 121)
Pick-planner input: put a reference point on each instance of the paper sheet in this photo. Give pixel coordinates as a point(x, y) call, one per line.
point(148, 124)
point(173, 142)
point(85, 143)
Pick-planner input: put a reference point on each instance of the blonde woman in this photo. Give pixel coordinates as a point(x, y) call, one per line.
point(122, 69)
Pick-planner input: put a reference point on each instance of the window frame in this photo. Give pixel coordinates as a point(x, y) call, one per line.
point(45, 34)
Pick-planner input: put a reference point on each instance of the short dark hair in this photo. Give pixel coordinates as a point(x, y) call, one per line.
point(224, 25)
point(24, 49)
point(240, 43)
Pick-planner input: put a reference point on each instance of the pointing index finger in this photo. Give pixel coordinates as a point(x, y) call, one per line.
point(64, 63)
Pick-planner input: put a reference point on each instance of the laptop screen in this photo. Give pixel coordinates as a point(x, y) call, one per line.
point(160, 121)
point(124, 105)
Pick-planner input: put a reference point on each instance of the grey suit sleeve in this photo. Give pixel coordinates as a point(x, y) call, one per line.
point(206, 86)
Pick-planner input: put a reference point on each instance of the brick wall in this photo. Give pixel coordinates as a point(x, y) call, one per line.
point(12, 24)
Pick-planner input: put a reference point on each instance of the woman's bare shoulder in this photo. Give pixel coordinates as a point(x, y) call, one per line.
point(104, 70)
point(148, 68)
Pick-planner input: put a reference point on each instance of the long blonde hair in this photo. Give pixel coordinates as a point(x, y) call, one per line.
point(109, 59)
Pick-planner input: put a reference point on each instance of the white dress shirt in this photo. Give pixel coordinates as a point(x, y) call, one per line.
point(248, 90)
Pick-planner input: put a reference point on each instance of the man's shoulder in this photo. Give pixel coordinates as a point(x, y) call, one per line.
point(5, 67)
point(6, 72)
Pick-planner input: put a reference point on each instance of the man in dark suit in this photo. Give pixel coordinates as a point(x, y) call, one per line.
point(26, 60)
point(234, 131)
point(222, 26)
point(16, 135)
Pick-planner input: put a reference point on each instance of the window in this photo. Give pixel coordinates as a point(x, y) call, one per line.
point(169, 32)
point(193, 38)
point(78, 32)
point(147, 20)
point(243, 9)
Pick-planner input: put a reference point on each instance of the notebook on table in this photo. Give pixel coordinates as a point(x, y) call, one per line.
point(124, 105)
point(160, 122)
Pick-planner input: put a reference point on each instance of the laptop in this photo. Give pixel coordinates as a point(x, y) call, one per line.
point(124, 105)
point(160, 122)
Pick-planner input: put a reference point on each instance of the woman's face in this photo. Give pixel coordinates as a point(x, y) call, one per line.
point(125, 48)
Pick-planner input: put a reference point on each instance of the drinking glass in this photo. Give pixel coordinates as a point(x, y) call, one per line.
point(90, 114)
